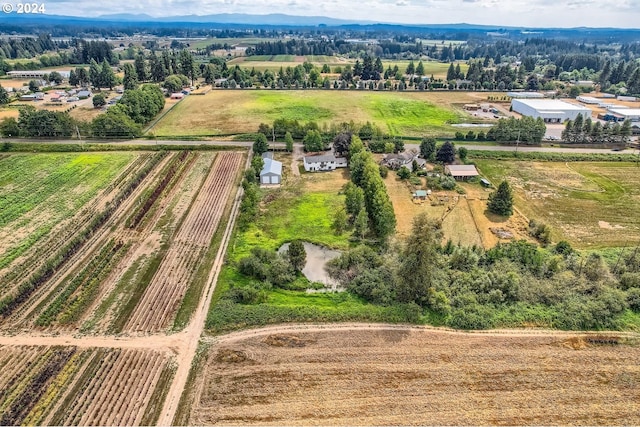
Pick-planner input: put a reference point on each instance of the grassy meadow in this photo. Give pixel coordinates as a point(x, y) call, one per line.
point(38, 191)
point(589, 204)
point(227, 112)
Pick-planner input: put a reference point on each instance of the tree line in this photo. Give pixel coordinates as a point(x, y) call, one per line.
point(511, 284)
point(581, 131)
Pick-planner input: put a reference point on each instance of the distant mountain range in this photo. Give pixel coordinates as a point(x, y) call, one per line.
point(274, 19)
point(238, 18)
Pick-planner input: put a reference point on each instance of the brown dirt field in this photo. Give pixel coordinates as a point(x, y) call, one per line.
point(325, 181)
point(458, 223)
point(417, 377)
point(6, 113)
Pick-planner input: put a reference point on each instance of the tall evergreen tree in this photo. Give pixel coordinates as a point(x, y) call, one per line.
point(501, 200)
point(130, 80)
point(141, 68)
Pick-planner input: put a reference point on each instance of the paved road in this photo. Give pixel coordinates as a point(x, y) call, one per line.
point(520, 148)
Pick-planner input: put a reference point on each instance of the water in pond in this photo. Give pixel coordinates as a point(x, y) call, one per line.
point(317, 258)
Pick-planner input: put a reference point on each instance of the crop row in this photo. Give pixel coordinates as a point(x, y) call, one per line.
point(87, 280)
point(176, 271)
point(148, 200)
point(28, 398)
point(10, 302)
point(41, 248)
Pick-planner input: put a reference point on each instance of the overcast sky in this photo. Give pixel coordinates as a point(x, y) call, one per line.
point(530, 13)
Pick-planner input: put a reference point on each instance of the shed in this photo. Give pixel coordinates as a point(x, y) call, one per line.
point(420, 194)
point(84, 94)
point(461, 172)
point(485, 182)
point(27, 98)
point(271, 172)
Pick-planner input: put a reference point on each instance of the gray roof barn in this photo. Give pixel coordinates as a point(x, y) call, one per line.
point(271, 173)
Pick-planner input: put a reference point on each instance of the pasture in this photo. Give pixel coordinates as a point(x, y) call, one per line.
point(589, 204)
point(386, 375)
point(226, 112)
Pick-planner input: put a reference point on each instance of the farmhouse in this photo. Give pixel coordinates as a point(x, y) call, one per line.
point(396, 161)
point(550, 110)
point(326, 162)
point(632, 114)
point(461, 172)
point(271, 173)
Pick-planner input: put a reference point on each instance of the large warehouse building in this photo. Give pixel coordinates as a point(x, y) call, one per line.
point(551, 110)
point(632, 114)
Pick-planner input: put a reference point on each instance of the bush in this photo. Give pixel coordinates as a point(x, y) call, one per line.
point(540, 231)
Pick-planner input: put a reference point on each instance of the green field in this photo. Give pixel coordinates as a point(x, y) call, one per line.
point(225, 112)
point(40, 190)
point(590, 204)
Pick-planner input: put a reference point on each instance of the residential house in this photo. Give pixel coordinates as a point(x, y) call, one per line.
point(396, 161)
point(326, 162)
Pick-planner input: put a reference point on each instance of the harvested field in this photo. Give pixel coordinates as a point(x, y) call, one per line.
point(72, 386)
point(391, 376)
point(175, 273)
point(400, 113)
point(576, 198)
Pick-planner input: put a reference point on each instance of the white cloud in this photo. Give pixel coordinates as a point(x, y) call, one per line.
point(530, 13)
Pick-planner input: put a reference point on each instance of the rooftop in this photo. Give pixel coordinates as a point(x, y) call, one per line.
point(551, 105)
point(271, 166)
point(625, 111)
point(462, 170)
point(322, 158)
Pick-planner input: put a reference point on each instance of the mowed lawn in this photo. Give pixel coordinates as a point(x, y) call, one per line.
point(590, 204)
point(228, 112)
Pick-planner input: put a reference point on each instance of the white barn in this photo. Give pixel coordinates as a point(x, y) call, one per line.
point(271, 173)
point(327, 162)
point(550, 110)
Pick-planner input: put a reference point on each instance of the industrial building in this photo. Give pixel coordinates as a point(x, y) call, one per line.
point(35, 74)
point(550, 110)
point(525, 94)
point(632, 114)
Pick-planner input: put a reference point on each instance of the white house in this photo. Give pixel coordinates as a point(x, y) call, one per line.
point(271, 173)
point(327, 162)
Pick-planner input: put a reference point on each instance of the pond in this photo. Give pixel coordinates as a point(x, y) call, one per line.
point(317, 258)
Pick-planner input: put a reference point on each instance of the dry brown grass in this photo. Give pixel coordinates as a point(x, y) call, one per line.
point(396, 377)
point(465, 218)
